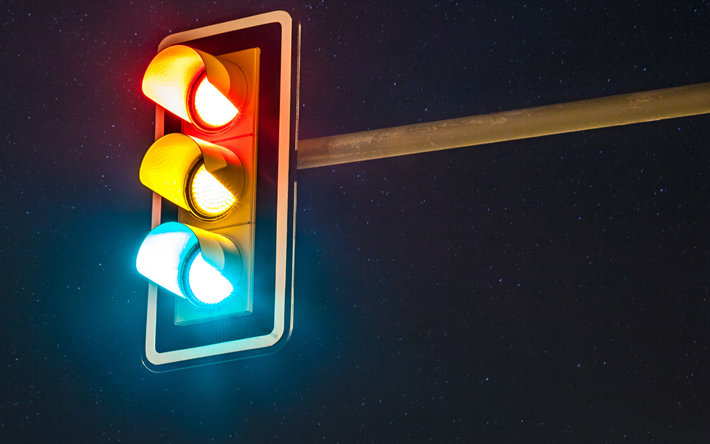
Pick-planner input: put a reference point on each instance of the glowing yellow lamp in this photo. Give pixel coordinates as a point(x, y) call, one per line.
point(208, 195)
point(202, 89)
point(198, 176)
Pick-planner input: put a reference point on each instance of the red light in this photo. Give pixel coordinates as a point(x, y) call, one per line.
point(210, 109)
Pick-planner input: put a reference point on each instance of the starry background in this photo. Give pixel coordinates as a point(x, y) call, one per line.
point(550, 289)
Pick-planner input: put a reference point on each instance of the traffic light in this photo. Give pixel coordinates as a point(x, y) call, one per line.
point(222, 170)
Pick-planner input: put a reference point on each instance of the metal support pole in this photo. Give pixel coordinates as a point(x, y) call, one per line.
point(510, 125)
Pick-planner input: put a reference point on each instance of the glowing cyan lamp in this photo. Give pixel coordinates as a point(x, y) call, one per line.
point(203, 267)
point(206, 284)
point(198, 176)
point(202, 89)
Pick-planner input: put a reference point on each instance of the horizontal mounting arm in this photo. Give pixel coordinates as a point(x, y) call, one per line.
point(510, 125)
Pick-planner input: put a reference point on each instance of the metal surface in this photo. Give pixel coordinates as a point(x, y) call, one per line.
point(510, 125)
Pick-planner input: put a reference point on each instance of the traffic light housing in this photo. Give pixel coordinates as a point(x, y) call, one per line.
point(222, 170)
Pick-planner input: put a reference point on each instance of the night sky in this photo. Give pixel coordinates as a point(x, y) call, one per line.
point(545, 290)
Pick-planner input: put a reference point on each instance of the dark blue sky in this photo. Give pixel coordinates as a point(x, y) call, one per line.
point(551, 289)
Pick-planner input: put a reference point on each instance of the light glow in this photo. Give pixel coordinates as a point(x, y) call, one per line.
point(207, 284)
point(213, 109)
point(209, 196)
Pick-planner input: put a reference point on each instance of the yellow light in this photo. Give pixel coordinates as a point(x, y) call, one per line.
point(213, 109)
point(170, 168)
point(209, 197)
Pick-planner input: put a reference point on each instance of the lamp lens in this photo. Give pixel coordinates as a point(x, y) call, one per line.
point(209, 197)
point(213, 110)
point(207, 284)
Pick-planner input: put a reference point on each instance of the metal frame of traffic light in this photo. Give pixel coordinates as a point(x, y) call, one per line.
point(177, 334)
